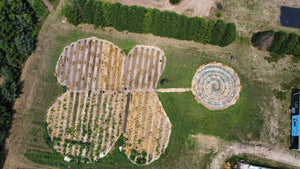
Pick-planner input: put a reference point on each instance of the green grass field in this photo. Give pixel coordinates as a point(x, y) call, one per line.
point(247, 120)
point(240, 122)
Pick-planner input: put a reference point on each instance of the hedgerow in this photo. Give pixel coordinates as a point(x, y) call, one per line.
point(282, 43)
point(146, 20)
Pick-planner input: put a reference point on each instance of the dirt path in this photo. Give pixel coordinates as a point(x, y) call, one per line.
point(171, 90)
point(191, 8)
point(49, 6)
point(238, 149)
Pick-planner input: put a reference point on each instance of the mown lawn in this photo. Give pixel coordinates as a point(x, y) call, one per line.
point(240, 122)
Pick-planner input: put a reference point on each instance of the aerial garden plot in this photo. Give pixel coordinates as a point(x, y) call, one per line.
point(111, 102)
point(108, 94)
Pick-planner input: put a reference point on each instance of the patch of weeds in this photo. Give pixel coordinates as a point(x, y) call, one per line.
point(274, 57)
point(33, 132)
point(208, 158)
point(191, 143)
point(281, 95)
point(127, 46)
point(296, 59)
point(289, 85)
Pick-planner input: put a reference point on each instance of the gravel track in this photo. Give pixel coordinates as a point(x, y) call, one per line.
point(238, 149)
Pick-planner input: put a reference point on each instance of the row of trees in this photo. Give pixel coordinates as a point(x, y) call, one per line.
point(146, 20)
point(18, 33)
point(282, 43)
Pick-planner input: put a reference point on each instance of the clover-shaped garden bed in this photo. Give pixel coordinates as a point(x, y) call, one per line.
point(108, 94)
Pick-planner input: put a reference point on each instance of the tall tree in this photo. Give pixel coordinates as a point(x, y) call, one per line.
point(217, 32)
point(98, 14)
point(229, 35)
point(279, 38)
point(89, 11)
point(148, 20)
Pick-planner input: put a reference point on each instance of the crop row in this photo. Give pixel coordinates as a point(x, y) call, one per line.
point(90, 64)
point(98, 65)
point(148, 128)
point(86, 124)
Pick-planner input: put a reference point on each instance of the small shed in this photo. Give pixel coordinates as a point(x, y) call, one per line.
point(295, 112)
point(249, 166)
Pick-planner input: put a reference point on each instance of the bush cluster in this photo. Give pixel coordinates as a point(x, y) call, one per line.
point(282, 43)
point(146, 20)
point(174, 1)
point(18, 33)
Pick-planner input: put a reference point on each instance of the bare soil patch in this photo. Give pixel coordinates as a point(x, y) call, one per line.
point(207, 143)
point(266, 42)
point(191, 8)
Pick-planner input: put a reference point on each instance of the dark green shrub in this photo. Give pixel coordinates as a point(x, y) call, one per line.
point(217, 32)
point(229, 35)
point(174, 1)
point(25, 44)
point(39, 8)
point(141, 160)
point(72, 14)
point(278, 41)
point(144, 154)
point(291, 43)
point(283, 43)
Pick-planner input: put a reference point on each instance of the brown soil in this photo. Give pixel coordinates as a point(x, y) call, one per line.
point(191, 8)
point(148, 128)
point(207, 143)
point(266, 42)
point(98, 65)
point(1, 80)
point(96, 112)
point(49, 6)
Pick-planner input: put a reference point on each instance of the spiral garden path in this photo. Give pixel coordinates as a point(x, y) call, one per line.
point(110, 93)
point(216, 86)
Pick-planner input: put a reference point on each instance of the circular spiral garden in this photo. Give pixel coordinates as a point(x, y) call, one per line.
point(216, 86)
